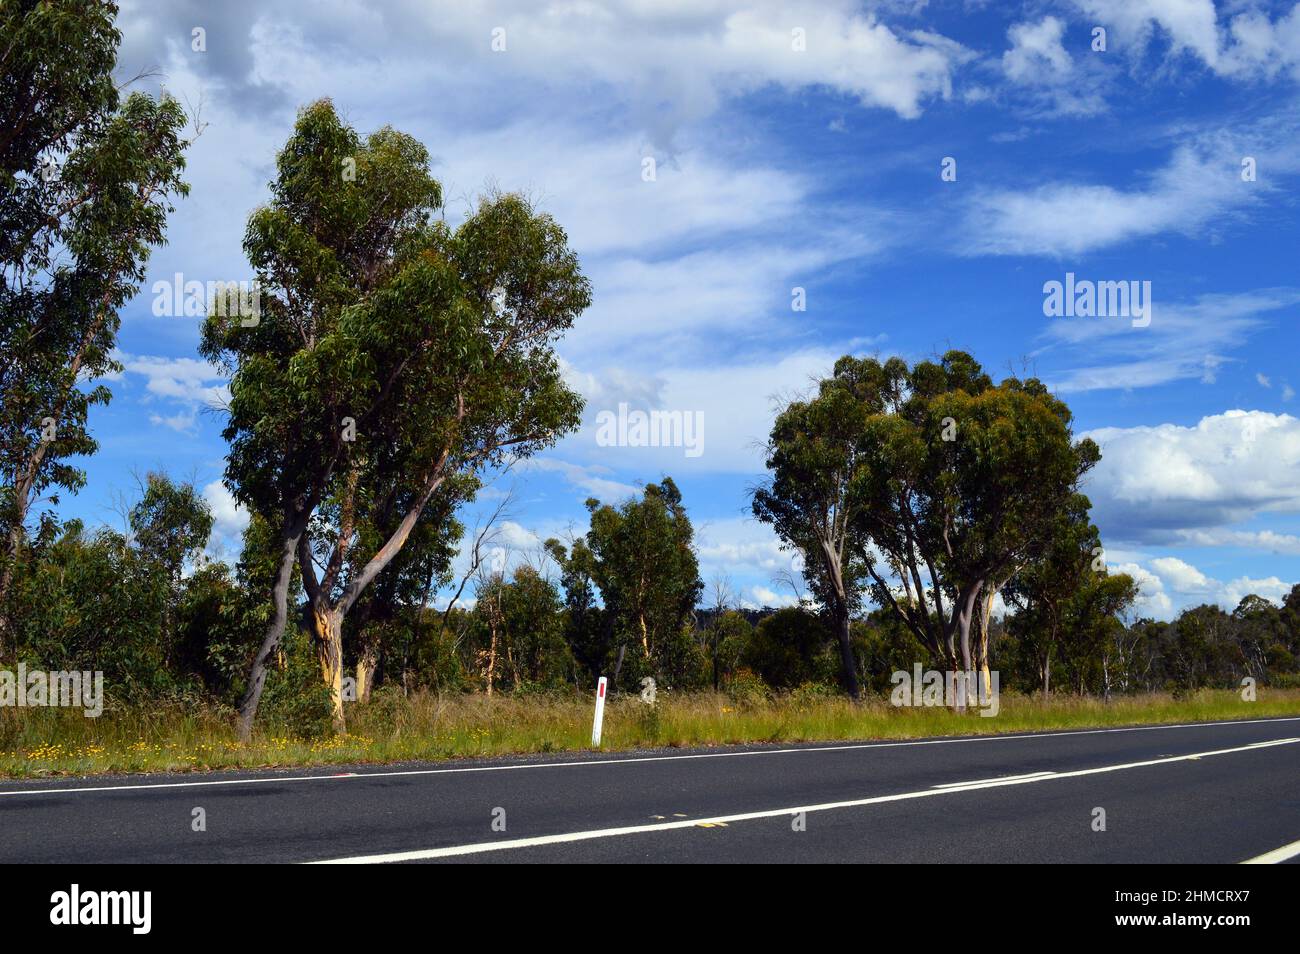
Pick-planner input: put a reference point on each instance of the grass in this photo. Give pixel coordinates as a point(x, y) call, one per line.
point(43, 742)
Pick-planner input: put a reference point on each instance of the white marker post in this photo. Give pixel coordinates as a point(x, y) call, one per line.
point(600, 711)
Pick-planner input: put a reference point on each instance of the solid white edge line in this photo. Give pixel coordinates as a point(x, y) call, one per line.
point(481, 847)
point(577, 763)
point(1276, 856)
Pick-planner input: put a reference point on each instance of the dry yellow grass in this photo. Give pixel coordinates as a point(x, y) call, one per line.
point(38, 742)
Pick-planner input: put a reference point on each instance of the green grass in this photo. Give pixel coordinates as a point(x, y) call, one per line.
point(43, 742)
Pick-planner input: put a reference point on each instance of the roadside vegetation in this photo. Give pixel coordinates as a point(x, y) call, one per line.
point(427, 727)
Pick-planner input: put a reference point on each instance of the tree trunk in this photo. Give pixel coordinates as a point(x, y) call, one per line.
point(13, 547)
point(328, 630)
point(367, 663)
point(985, 674)
point(1047, 673)
point(271, 641)
point(966, 615)
point(492, 661)
point(848, 668)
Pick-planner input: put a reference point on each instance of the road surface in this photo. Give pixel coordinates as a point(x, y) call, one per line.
point(1214, 792)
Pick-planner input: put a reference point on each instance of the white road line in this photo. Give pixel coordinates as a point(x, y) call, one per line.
point(481, 847)
point(579, 763)
point(997, 778)
point(1276, 856)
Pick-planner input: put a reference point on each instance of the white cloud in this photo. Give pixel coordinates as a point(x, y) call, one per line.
point(1263, 380)
point(765, 597)
point(1247, 46)
point(1284, 544)
point(737, 401)
point(590, 479)
point(1035, 50)
point(1185, 341)
point(1189, 587)
point(1041, 72)
point(1152, 600)
point(229, 518)
point(1182, 577)
point(182, 422)
point(1187, 25)
point(187, 380)
point(1158, 483)
point(1200, 184)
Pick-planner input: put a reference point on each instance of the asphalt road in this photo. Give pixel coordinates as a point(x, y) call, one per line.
point(1216, 792)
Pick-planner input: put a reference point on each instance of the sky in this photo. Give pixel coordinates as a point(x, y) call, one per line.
point(755, 189)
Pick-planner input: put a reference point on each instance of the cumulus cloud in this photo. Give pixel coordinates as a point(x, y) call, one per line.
point(1168, 585)
point(1245, 44)
point(188, 380)
point(671, 61)
point(737, 402)
point(1036, 48)
point(186, 383)
point(1162, 483)
point(229, 517)
point(1152, 600)
point(1187, 25)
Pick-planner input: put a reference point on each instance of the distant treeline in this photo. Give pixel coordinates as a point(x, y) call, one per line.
point(142, 606)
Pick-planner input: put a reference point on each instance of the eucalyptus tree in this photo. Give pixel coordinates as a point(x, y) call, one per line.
point(468, 327)
point(394, 359)
point(640, 555)
point(927, 486)
point(1041, 592)
point(344, 218)
point(811, 498)
point(960, 484)
point(86, 183)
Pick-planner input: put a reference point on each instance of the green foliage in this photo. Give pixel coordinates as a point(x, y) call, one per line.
point(789, 648)
point(519, 633)
point(296, 703)
point(171, 523)
point(86, 183)
point(640, 556)
point(747, 688)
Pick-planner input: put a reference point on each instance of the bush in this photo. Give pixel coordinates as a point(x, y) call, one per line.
point(811, 694)
point(296, 702)
point(791, 647)
point(747, 689)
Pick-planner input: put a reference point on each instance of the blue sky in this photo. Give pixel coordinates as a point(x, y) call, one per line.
point(817, 168)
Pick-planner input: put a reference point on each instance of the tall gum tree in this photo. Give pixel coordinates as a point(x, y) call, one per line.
point(479, 385)
point(343, 218)
point(959, 486)
point(399, 358)
point(640, 555)
point(811, 498)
